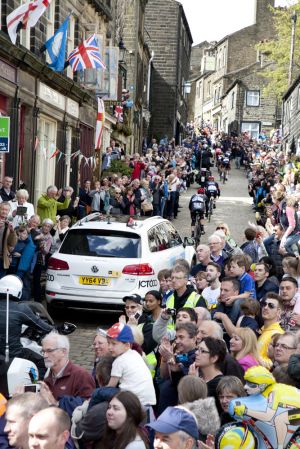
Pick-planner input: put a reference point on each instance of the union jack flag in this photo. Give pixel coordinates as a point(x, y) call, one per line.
point(86, 55)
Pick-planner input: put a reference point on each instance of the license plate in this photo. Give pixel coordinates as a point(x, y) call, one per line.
point(90, 280)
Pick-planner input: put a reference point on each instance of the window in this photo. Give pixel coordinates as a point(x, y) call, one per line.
point(252, 98)
point(50, 14)
point(71, 42)
point(209, 88)
point(232, 100)
point(252, 128)
point(45, 167)
point(102, 243)
point(173, 236)
point(25, 34)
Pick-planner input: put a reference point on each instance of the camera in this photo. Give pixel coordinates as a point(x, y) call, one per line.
point(32, 388)
point(181, 358)
point(171, 312)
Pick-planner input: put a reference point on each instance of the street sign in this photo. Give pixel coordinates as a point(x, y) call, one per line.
point(4, 134)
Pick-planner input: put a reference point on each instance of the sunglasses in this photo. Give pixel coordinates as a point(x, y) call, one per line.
point(270, 305)
point(220, 227)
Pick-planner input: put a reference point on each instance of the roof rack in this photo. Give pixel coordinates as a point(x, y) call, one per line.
point(98, 216)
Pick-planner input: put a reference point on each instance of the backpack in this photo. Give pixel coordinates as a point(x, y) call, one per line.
point(198, 203)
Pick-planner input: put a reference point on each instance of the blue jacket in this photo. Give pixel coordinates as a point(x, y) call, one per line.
point(26, 258)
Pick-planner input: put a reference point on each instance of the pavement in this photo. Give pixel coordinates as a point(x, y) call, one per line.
point(233, 208)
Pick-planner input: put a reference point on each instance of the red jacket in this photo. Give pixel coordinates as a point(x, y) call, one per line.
point(75, 381)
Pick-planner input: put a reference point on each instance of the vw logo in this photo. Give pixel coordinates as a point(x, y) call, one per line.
point(95, 269)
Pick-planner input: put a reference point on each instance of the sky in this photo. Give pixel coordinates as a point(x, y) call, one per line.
point(213, 19)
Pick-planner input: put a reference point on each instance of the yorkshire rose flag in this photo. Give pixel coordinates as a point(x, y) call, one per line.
point(25, 16)
point(99, 123)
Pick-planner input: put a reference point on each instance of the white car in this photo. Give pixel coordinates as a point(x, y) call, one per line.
point(101, 261)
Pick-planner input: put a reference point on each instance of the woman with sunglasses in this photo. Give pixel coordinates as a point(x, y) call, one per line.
point(210, 356)
point(243, 347)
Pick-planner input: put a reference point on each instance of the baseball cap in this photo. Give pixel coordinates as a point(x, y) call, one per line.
point(174, 419)
point(120, 332)
point(135, 298)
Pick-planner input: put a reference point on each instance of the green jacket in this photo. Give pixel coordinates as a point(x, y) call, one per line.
point(48, 207)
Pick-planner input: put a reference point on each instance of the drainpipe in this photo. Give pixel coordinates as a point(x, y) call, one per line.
point(149, 79)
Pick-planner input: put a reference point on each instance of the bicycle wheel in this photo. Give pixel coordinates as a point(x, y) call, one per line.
point(210, 210)
point(223, 177)
point(197, 234)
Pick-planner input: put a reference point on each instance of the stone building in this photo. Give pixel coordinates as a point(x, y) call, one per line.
point(49, 110)
point(171, 40)
point(291, 118)
point(228, 92)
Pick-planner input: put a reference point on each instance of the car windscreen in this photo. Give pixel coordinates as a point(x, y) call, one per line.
point(101, 243)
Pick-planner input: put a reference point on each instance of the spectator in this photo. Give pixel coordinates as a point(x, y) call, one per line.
point(165, 284)
point(183, 295)
point(164, 327)
point(217, 254)
point(212, 329)
point(210, 356)
point(201, 281)
point(44, 243)
point(243, 346)
point(72, 209)
point(271, 309)
point(100, 347)
point(20, 209)
point(63, 378)
point(228, 388)
point(157, 194)
point(210, 295)
point(129, 370)
point(49, 429)
point(250, 311)
point(133, 306)
point(203, 256)
point(250, 247)
point(20, 410)
point(247, 286)
point(175, 364)
point(175, 428)
point(85, 201)
point(22, 257)
point(32, 226)
point(48, 205)
point(152, 304)
point(288, 290)
point(285, 346)
point(117, 205)
point(8, 239)
point(59, 232)
point(231, 245)
point(6, 193)
point(129, 201)
point(137, 166)
point(262, 283)
point(124, 416)
point(192, 394)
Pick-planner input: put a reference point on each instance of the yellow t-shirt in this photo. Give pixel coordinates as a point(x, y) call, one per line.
point(265, 339)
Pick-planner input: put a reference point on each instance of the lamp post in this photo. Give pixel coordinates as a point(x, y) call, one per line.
point(293, 35)
point(122, 49)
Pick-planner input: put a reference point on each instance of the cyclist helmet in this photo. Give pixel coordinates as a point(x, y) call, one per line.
point(259, 375)
point(201, 190)
point(211, 178)
point(235, 436)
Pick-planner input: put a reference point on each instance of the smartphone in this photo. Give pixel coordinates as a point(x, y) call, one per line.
point(137, 316)
point(32, 388)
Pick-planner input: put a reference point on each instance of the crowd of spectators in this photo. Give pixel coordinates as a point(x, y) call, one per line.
point(180, 353)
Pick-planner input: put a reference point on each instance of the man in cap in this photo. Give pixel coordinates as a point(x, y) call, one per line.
point(133, 306)
point(175, 428)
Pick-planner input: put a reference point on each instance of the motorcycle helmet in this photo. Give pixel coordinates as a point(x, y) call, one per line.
point(259, 375)
point(201, 190)
point(235, 436)
point(11, 284)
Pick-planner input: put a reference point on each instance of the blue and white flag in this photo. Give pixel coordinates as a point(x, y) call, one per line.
point(56, 47)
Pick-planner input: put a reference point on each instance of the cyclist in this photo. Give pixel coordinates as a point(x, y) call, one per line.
point(212, 189)
point(198, 206)
point(226, 165)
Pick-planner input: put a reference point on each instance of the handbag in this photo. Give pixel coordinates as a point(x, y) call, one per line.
point(146, 207)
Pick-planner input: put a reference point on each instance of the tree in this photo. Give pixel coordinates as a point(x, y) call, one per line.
point(278, 51)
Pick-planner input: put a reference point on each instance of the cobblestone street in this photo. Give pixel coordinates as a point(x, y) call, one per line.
point(234, 207)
